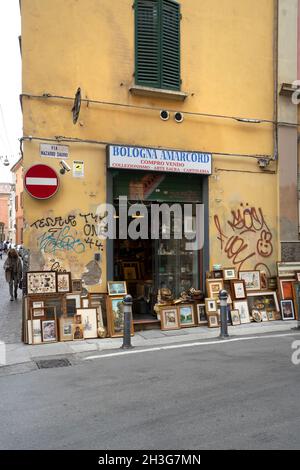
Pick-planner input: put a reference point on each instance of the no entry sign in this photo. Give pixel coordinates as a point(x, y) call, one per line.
point(41, 181)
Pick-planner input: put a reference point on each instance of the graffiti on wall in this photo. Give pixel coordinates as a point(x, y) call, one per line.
point(249, 238)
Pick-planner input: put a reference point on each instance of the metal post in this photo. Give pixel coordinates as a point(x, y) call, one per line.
point(127, 308)
point(223, 296)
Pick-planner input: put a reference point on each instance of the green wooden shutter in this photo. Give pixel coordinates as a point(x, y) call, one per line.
point(170, 45)
point(157, 40)
point(147, 54)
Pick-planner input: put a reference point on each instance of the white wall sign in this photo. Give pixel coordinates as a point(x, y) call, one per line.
point(78, 169)
point(54, 151)
point(153, 159)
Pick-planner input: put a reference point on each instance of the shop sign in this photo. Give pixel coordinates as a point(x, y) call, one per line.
point(54, 151)
point(154, 159)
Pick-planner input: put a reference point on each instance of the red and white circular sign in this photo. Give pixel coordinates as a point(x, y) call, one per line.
point(41, 181)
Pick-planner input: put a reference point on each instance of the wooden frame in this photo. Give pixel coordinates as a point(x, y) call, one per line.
point(287, 310)
point(76, 285)
point(64, 283)
point(262, 299)
point(116, 288)
point(296, 298)
point(41, 282)
point(242, 307)
point(99, 301)
point(169, 318)
point(217, 274)
point(235, 317)
point(131, 264)
point(238, 289)
point(201, 314)
point(66, 329)
point(211, 306)
point(252, 280)
point(287, 269)
point(89, 322)
point(34, 331)
point(286, 288)
point(51, 335)
point(78, 333)
point(72, 311)
point(229, 274)
point(115, 317)
point(213, 287)
point(186, 314)
point(213, 321)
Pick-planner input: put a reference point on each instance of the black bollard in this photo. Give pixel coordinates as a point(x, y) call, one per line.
point(127, 309)
point(223, 296)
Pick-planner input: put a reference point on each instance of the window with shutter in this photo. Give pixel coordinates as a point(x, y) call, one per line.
point(157, 40)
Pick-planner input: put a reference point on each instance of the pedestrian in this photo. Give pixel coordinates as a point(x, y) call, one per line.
point(13, 272)
point(1, 249)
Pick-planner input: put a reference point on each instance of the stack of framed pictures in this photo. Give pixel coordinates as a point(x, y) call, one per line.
point(174, 317)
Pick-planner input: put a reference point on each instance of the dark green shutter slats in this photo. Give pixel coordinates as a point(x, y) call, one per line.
point(157, 40)
point(170, 70)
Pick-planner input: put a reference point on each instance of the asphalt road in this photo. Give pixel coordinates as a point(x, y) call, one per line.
point(240, 395)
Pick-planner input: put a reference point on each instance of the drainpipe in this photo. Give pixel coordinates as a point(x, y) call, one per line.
point(275, 78)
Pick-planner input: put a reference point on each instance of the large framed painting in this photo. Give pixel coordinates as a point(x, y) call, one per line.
point(242, 307)
point(41, 282)
point(89, 322)
point(186, 315)
point(266, 300)
point(287, 310)
point(169, 318)
point(116, 317)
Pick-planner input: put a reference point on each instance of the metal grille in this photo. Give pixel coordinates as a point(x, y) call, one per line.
point(52, 363)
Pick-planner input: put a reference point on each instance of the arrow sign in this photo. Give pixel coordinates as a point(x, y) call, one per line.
point(41, 181)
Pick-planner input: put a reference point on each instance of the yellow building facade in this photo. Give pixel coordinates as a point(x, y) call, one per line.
point(226, 98)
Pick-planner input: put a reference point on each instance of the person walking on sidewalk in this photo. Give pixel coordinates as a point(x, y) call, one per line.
point(1, 249)
point(13, 272)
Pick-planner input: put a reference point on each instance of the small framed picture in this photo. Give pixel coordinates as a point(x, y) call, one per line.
point(271, 315)
point(201, 314)
point(211, 306)
point(256, 315)
point(218, 274)
point(213, 321)
point(38, 312)
point(49, 331)
point(66, 326)
point(238, 289)
point(242, 307)
point(252, 279)
point(186, 315)
point(85, 302)
point(64, 282)
point(117, 288)
point(78, 333)
point(286, 288)
point(287, 310)
point(77, 319)
point(229, 274)
point(73, 302)
point(169, 318)
point(76, 285)
point(264, 315)
point(235, 317)
point(213, 287)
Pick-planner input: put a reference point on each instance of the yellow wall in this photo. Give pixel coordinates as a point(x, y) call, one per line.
point(227, 68)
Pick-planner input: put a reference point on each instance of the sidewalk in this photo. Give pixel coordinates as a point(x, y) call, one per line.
point(19, 353)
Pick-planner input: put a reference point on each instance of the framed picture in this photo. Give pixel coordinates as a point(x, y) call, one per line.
point(287, 269)
point(287, 310)
point(213, 321)
point(264, 315)
point(252, 279)
point(217, 274)
point(115, 316)
point(298, 276)
point(201, 314)
point(242, 307)
point(256, 315)
point(64, 282)
point(286, 288)
point(235, 317)
point(213, 287)
point(211, 306)
point(263, 301)
point(89, 322)
point(229, 274)
point(85, 302)
point(37, 312)
point(272, 283)
point(238, 289)
point(78, 333)
point(98, 300)
point(169, 318)
point(271, 315)
point(76, 285)
point(296, 298)
point(41, 282)
point(132, 273)
point(49, 331)
point(66, 329)
point(73, 302)
point(117, 288)
point(186, 315)
point(34, 334)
